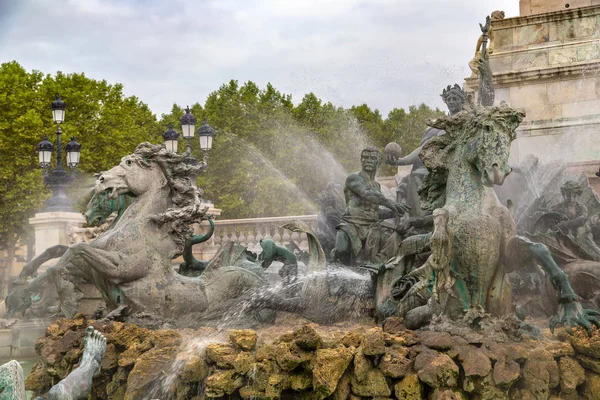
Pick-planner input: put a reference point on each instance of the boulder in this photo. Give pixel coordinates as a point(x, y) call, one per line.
point(301, 381)
point(374, 385)
point(223, 355)
point(591, 364)
point(506, 371)
point(591, 388)
point(243, 362)
point(571, 375)
point(409, 388)
point(290, 356)
point(373, 343)
point(223, 382)
point(447, 394)
point(148, 367)
point(436, 340)
point(474, 361)
point(307, 338)
point(245, 339)
point(584, 344)
point(395, 364)
point(436, 369)
point(328, 368)
point(194, 368)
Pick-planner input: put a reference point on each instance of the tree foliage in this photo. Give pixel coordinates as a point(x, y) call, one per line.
point(106, 123)
point(270, 157)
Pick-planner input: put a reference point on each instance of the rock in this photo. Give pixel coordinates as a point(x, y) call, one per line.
point(328, 368)
point(436, 369)
point(362, 365)
point(259, 375)
point(571, 375)
point(584, 344)
point(165, 338)
point(394, 363)
point(129, 356)
point(275, 385)
point(409, 388)
point(110, 357)
point(124, 336)
point(352, 339)
point(374, 385)
point(290, 356)
point(342, 391)
point(559, 349)
point(38, 380)
point(373, 343)
point(194, 368)
point(591, 364)
point(506, 371)
point(148, 367)
point(307, 338)
point(394, 325)
point(61, 326)
point(536, 378)
point(447, 394)
point(245, 339)
point(243, 362)
point(265, 352)
point(221, 354)
point(436, 340)
point(251, 393)
point(223, 382)
point(301, 381)
point(591, 388)
point(474, 361)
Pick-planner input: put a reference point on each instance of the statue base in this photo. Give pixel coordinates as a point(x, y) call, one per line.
point(312, 361)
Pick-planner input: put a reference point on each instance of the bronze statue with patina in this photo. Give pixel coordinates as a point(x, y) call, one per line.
point(360, 235)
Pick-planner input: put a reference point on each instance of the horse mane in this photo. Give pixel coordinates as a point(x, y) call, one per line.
point(460, 128)
point(185, 196)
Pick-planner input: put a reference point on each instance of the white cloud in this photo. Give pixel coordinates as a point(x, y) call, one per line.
point(387, 53)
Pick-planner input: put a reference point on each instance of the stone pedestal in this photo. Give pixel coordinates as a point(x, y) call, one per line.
point(51, 228)
point(546, 62)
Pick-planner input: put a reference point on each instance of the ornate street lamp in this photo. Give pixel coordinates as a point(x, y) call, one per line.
point(58, 179)
point(188, 124)
point(73, 151)
point(206, 134)
point(170, 137)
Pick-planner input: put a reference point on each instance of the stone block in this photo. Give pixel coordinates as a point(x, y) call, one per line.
point(5, 337)
point(503, 39)
point(544, 113)
point(530, 60)
point(588, 52)
point(501, 64)
point(502, 94)
point(533, 34)
point(528, 96)
point(572, 91)
point(562, 55)
point(586, 27)
point(581, 108)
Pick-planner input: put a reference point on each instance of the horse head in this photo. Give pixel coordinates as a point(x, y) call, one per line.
point(134, 176)
point(482, 138)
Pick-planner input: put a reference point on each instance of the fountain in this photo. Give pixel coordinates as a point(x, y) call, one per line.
point(425, 312)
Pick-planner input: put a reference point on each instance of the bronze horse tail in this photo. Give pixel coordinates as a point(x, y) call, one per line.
point(191, 266)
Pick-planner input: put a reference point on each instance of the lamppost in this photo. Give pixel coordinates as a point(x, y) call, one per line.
point(188, 124)
point(58, 179)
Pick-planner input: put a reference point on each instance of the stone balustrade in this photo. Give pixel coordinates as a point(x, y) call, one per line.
point(250, 231)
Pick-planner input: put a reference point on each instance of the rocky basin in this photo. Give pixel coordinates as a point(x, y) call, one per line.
point(317, 362)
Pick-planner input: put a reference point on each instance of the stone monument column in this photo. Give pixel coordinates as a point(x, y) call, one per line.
point(51, 228)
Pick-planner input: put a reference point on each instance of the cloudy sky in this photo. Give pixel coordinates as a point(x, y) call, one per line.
point(386, 53)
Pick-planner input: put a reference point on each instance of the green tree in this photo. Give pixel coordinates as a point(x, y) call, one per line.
point(106, 123)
